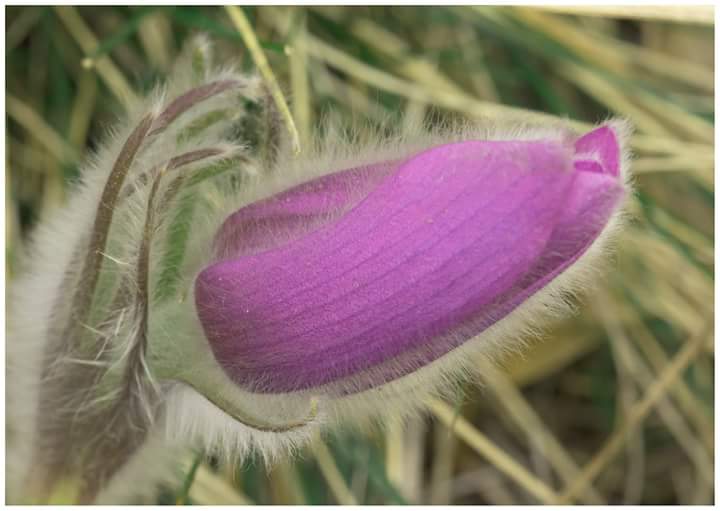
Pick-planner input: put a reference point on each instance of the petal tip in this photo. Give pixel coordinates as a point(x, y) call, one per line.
point(601, 150)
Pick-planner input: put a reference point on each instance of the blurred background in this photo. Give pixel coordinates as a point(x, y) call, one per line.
point(616, 404)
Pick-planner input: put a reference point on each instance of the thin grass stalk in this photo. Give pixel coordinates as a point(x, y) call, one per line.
point(299, 79)
point(42, 132)
point(487, 449)
point(331, 473)
point(524, 416)
point(246, 32)
point(110, 74)
point(209, 488)
point(692, 407)
point(637, 370)
point(82, 111)
point(638, 414)
point(702, 15)
point(22, 25)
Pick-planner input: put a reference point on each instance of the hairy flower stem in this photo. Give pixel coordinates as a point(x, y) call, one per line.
point(103, 219)
point(59, 394)
point(131, 413)
point(191, 98)
point(172, 164)
point(123, 296)
point(92, 418)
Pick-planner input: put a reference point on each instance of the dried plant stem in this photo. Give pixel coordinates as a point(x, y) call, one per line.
point(38, 128)
point(12, 222)
point(485, 447)
point(690, 125)
point(298, 59)
point(512, 401)
point(445, 447)
point(385, 81)
point(419, 70)
point(404, 455)
point(700, 243)
point(332, 474)
point(613, 97)
point(345, 93)
point(669, 305)
point(702, 169)
point(183, 494)
point(248, 35)
point(465, 103)
point(483, 84)
point(455, 99)
point(285, 484)
point(564, 33)
point(549, 356)
point(155, 34)
point(83, 109)
point(88, 42)
point(684, 396)
point(21, 27)
point(635, 368)
point(613, 54)
point(673, 419)
point(703, 15)
point(209, 488)
point(394, 452)
point(648, 144)
point(667, 258)
point(634, 473)
point(638, 414)
point(390, 83)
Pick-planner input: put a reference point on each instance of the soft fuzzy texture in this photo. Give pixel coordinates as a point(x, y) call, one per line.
point(42, 283)
point(186, 377)
point(394, 261)
point(402, 397)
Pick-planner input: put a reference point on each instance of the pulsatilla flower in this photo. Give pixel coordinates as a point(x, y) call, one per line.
point(358, 278)
point(202, 289)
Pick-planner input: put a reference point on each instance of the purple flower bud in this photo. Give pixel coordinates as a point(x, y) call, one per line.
point(365, 275)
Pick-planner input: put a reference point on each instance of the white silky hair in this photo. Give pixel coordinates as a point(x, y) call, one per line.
point(177, 345)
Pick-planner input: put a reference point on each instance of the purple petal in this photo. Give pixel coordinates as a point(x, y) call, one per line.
point(399, 261)
point(598, 151)
point(291, 214)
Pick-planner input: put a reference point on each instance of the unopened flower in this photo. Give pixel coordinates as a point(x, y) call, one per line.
point(200, 289)
point(358, 278)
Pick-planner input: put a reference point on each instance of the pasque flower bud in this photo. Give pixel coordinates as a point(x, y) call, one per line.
point(360, 277)
point(200, 290)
